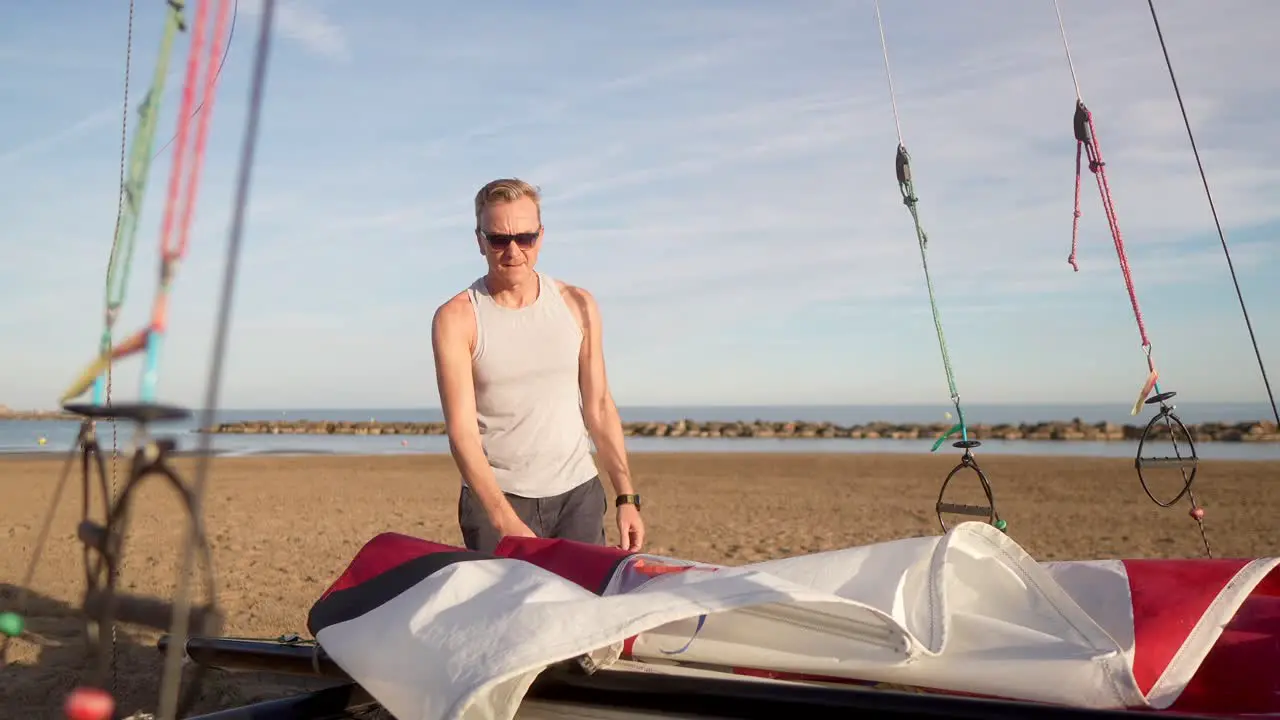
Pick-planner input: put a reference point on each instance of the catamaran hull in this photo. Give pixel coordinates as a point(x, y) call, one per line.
point(435, 632)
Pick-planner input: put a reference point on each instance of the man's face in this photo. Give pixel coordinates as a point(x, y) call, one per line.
point(510, 237)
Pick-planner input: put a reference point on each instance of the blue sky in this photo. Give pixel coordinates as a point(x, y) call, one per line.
point(719, 174)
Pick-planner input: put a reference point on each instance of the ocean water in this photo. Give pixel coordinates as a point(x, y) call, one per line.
point(23, 436)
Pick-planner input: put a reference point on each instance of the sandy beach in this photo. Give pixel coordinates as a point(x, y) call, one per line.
point(283, 528)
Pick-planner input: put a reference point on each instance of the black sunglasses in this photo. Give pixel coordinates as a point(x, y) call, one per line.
point(500, 242)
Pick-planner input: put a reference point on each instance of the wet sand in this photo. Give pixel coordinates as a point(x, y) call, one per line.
point(283, 528)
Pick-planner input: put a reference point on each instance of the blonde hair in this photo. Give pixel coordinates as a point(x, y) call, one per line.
point(505, 190)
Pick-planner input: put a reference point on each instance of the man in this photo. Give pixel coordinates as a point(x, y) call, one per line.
point(520, 367)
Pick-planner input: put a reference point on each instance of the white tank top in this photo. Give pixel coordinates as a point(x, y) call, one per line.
point(528, 401)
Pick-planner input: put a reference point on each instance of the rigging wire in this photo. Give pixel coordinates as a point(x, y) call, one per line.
point(906, 187)
point(1214, 210)
point(179, 623)
point(124, 154)
point(1075, 80)
point(1086, 136)
point(888, 73)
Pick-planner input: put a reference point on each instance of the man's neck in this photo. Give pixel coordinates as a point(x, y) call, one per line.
point(512, 295)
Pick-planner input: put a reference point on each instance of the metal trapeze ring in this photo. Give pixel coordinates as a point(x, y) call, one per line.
point(1175, 426)
point(967, 461)
point(106, 606)
point(101, 564)
point(103, 605)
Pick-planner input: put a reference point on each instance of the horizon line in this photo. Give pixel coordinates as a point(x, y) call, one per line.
point(667, 406)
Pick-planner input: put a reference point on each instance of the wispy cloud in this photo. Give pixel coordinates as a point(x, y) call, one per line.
point(723, 182)
point(305, 23)
point(80, 128)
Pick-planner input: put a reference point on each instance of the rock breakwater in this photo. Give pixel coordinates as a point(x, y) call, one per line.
point(1073, 430)
point(8, 413)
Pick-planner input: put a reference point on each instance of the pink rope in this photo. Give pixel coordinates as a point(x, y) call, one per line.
point(179, 205)
point(1075, 223)
point(202, 129)
point(184, 127)
point(1096, 165)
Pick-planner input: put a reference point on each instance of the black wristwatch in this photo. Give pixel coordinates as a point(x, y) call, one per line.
point(632, 499)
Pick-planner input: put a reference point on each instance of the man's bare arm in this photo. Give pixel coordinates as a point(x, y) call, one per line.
point(451, 346)
point(598, 409)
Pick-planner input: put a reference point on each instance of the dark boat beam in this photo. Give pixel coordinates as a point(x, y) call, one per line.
point(639, 692)
point(333, 703)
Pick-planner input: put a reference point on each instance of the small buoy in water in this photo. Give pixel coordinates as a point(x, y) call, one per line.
point(404, 443)
point(1197, 513)
point(42, 441)
point(86, 703)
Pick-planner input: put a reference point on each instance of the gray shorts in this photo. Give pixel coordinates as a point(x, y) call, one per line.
point(577, 514)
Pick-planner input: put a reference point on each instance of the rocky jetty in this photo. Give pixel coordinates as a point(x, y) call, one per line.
point(8, 413)
point(1073, 430)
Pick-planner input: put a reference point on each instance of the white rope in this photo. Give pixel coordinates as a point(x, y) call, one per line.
point(893, 98)
point(1067, 47)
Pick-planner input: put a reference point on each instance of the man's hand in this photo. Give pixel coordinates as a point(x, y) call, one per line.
point(513, 526)
point(630, 528)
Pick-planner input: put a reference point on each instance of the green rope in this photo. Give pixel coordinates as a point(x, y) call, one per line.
point(909, 199)
point(122, 245)
point(134, 190)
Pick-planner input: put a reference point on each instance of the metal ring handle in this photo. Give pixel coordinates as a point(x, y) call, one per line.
point(989, 512)
point(1175, 426)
